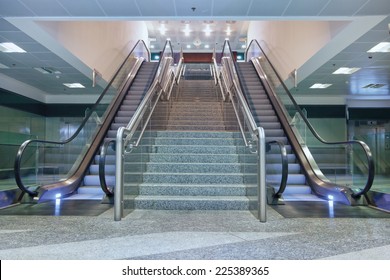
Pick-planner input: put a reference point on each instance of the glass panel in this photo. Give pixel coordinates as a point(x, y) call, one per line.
point(142, 131)
point(378, 139)
point(9, 145)
point(246, 141)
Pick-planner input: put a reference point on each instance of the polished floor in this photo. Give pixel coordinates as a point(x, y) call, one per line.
point(194, 235)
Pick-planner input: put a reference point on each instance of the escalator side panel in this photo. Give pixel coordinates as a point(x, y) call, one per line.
point(70, 185)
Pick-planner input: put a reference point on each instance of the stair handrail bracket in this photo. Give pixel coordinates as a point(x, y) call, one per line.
point(93, 128)
point(126, 138)
point(229, 79)
point(256, 54)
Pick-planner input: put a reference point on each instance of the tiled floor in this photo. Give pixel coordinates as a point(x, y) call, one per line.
point(166, 235)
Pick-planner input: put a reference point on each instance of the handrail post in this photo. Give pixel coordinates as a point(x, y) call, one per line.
point(118, 198)
point(262, 191)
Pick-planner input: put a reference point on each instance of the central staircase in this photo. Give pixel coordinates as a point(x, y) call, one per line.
point(194, 163)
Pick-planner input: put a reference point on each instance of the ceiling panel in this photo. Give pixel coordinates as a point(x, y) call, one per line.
point(154, 8)
point(16, 37)
point(7, 61)
point(359, 47)
point(44, 56)
point(85, 8)
point(122, 8)
point(33, 47)
point(45, 8)
point(374, 36)
point(263, 8)
point(13, 8)
point(6, 26)
point(184, 8)
point(26, 59)
point(305, 8)
point(384, 25)
point(342, 8)
point(375, 7)
point(231, 7)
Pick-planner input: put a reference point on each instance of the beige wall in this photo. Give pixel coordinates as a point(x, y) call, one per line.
point(289, 44)
point(101, 45)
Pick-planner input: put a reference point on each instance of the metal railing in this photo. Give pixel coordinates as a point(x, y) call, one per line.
point(83, 142)
point(129, 138)
point(279, 91)
point(252, 135)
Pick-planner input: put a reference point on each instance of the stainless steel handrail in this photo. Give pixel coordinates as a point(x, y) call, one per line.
point(366, 149)
point(124, 134)
point(256, 131)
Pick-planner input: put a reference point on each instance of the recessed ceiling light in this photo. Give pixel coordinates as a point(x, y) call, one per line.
point(162, 29)
point(188, 46)
point(187, 30)
point(381, 47)
point(228, 31)
point(322, 86)
point(207, 30)
point(346, 70)
point(207, 46)
point(10, 48)
point(74, 85)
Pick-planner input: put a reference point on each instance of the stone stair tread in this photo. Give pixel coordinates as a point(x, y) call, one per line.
point(193, 198)
point(148, 184)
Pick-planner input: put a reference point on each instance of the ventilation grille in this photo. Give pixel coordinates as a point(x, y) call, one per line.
point(374, 86)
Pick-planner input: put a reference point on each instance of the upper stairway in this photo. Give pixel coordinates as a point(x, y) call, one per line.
point(192, 156)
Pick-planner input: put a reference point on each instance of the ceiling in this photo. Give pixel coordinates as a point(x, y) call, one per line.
point(198, 35)
point(218, 15)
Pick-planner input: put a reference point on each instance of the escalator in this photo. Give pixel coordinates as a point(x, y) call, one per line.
point(69, 167)
point(134, 96)
point(256, 86)
point(266, 117)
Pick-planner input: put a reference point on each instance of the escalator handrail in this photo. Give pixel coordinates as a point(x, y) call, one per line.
point(102, 169)
point(283, 153)
point(19, 155)
point(370, 161)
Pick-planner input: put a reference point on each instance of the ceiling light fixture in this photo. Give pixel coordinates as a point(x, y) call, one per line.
point(162, 29)
point(187, 30)
point(346, 70)
point(207, 30)
point(320, 86)
point(8, 47)
point(73, 85)
point(381, 47)
point(228, 31)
